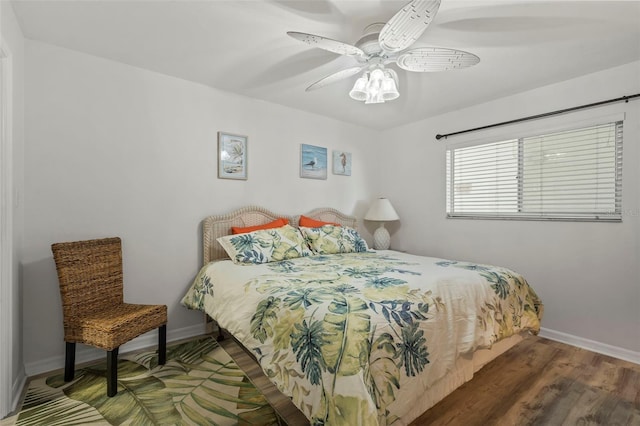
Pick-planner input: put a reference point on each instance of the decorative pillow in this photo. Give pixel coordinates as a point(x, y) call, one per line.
point(331, 239)
point(278, 223)
point(266, 245)
point(307, 222)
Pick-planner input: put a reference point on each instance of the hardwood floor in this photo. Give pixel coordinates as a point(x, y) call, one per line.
point(542, 382)
point(538, 382)
point(283, 405)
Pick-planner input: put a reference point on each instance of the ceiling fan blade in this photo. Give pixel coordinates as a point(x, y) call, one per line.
point(406, 26)
point(430, 59)
point(336, 76)
point(327, 44)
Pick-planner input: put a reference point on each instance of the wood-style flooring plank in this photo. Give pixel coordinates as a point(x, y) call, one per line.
point(539, 382)
point(282, 404)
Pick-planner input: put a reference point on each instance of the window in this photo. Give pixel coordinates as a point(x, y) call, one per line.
point(569, 175)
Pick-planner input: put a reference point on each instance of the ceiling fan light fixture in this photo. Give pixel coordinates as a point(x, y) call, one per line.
point(383, 44)
point(375, 87)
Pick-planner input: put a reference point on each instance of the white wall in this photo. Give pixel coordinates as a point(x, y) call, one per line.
point(587, 274)
point(13, 46)
point(116, 150)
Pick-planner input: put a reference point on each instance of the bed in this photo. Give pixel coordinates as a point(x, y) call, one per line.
point(353, 335)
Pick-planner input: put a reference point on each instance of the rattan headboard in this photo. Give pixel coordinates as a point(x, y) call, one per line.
point(214, 227)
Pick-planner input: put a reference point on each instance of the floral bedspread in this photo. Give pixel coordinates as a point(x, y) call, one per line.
point(355, 338)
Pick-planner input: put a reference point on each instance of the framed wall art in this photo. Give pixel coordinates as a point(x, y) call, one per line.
point(341, 163)
point(232, 156)
point(313, 162)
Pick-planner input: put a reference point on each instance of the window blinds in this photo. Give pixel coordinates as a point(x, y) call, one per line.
point(569, 175)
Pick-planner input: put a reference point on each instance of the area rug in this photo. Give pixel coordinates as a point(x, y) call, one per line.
point(199, 385)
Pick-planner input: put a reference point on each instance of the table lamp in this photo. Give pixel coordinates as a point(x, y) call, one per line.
point(382, 211)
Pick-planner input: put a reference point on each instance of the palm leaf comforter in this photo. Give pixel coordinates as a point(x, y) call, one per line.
point(357, 338)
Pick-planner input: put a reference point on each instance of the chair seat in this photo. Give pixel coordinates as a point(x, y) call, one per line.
point(116, 325)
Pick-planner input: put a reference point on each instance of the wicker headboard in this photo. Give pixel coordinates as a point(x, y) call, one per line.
point(214, 227)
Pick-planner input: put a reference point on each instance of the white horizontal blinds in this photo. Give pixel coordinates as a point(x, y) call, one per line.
point(573, 174)
point(485, 178)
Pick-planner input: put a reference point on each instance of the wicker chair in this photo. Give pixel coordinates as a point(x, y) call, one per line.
point(91, 287)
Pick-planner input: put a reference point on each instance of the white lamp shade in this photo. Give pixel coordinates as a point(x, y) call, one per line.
point(381, 210)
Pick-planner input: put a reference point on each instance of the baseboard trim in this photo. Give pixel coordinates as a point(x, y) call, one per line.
point(592, 345)
point(17, 390)
point(87, 353)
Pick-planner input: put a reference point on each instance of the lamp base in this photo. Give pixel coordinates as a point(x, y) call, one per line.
point(381, 238)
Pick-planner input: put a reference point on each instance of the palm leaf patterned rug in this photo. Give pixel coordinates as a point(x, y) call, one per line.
point(199, 385)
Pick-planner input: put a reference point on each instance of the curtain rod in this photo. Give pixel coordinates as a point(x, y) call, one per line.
point(546, 114)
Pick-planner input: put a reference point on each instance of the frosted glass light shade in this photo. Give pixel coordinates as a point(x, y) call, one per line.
point(374, 97)
point(359, 89)
point(389, 89)
point(374, 85)
point(376, 75)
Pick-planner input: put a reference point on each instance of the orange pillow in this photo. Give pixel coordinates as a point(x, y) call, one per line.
point(278, 223)
point(307, 222)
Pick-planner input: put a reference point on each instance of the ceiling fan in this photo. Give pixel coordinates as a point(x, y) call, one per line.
point(384, 44)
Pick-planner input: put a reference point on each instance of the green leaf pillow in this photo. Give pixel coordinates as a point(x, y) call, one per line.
point(330, 239)
point(267, 245)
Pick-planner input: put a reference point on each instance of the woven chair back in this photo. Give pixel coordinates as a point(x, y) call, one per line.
point(90, 278)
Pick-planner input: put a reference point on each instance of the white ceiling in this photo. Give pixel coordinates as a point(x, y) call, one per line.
point(242, 46)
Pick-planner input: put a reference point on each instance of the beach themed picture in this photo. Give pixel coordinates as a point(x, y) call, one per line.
point(341, 163)
point(232, 156)
point(313, 162)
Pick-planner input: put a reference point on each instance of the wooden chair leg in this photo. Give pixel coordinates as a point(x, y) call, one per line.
point(112, 372)
point(162, 345)
point(69, 361)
